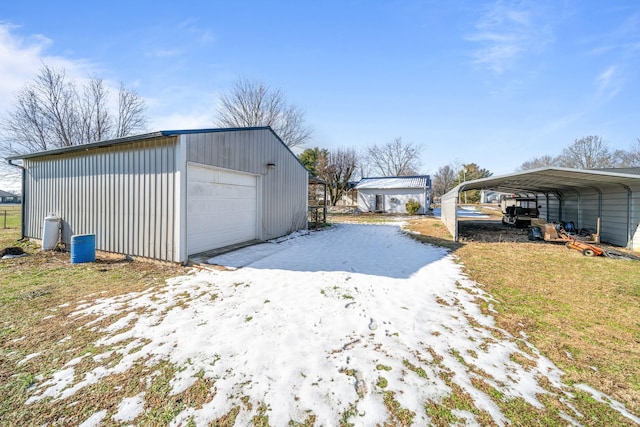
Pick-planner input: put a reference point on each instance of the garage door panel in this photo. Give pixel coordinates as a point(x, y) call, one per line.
point(221, 208)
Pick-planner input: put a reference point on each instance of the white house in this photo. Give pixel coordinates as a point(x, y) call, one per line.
point(169, 194)
point(391, 194)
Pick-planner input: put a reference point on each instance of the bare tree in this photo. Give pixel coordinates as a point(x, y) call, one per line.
point(628, 158)
point(254, 104)
point(131, 112)
point(443, 181)
point(51, 113)
point(539, 162)
point(95, 121)
point(10, 176)
point(394, 158)
point(336, 168)
point(587, 153)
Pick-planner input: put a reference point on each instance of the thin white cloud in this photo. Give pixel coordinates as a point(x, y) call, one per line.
point(195, 119)
point(165, 53)
point(505, 33)
point(21, 58)
point(202, 34)
point(608, 83)
point(562, 123)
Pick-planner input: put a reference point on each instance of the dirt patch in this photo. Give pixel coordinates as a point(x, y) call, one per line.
point(490, 230)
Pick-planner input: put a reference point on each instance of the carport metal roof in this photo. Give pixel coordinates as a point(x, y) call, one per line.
point(551, 179)
point(544, 180)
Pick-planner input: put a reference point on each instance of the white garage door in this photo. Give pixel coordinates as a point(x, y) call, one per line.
point(221, 208)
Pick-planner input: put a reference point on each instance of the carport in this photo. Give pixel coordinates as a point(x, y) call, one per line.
point(581, 196)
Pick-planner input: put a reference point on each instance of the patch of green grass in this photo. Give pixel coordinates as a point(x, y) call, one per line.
point(440, 415)
point(418, 370)
point(310, 421)
point(381, 367)
point(228, 420)
point(455, 353)
point(261, 419)
point(382, 382)
point(399, 416)
point(10, 217)
point(348, 414)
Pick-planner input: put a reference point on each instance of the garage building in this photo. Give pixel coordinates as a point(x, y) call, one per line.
point(562, 194)
point(169, 194)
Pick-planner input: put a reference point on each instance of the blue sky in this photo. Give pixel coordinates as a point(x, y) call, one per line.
point(490, 82)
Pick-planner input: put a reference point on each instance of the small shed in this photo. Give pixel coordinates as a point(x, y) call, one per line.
point(391, 194)
point(610, 197)
point(170, 194)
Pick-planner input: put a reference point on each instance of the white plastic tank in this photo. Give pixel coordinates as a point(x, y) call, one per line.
point(51, 232)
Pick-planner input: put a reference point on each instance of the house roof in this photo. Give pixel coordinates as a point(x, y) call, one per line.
point(7, 194)
point(132, 138)
point(392, 182)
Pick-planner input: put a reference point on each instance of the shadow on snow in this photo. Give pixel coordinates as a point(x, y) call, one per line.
point(379, 250)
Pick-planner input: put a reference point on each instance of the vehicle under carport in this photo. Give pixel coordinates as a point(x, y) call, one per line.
point(584, 197)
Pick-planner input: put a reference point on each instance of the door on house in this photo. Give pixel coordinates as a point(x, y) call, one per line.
point(379, 203)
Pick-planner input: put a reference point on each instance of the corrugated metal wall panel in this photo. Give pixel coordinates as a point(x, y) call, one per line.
point(284, 188)
point(449, 212)
point(124, 194)
point(589, 209)
point(635, 218)
point(550, 207)
point(570, 202)
point(615, 218)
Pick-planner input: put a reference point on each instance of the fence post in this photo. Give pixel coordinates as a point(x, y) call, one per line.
point(5, 218)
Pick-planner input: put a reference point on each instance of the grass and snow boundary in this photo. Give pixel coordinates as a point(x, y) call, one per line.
point(354, 324)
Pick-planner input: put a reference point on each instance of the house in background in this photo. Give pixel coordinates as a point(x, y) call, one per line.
point(6, 197)
point(488, 196)
point(391, 194)
point(169, 194)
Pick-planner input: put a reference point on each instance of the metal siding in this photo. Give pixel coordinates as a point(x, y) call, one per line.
point(124, 194)
point(570, 205)
point(635, 218)
point(589, 210)
point(552, 205)
point(449, 212)
point(284, 188)
point(615, 219)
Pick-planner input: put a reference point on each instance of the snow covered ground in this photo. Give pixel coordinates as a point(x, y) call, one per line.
point(311, 324)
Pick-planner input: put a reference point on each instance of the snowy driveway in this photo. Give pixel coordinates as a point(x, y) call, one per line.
point(336, 323)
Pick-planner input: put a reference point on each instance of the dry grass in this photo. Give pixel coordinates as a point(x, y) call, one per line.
point(37, 293)
point(580, 312)
point(10, 216)
point(583, 313)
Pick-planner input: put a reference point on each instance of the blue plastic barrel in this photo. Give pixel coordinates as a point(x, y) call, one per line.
point(83, 248)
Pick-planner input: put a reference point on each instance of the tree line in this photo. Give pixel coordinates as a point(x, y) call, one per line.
point(338, 167)
point(588, 152)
